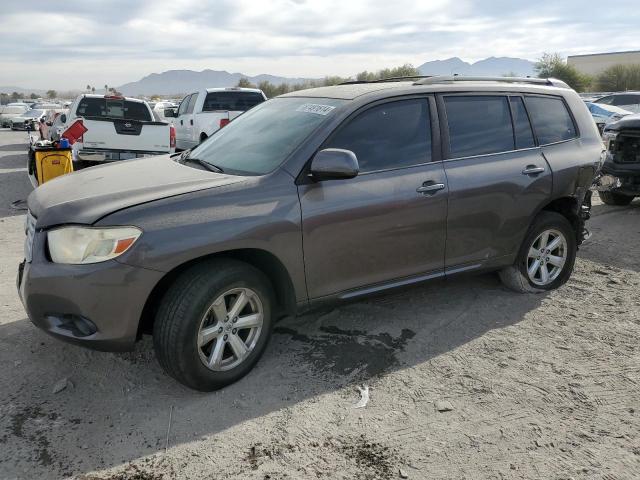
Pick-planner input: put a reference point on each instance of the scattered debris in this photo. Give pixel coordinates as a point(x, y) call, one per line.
point(364, 397)
point(444, 406)
point(61, 385)
point(402, 473)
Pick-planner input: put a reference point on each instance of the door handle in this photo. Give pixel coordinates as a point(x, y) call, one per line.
point(191, 121)
point(429, 188)
point(532, 170)
point(181, 122)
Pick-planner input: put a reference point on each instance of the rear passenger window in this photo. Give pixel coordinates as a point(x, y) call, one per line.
point(551, 119)
point(521, 125)
point(478, 125)
point(391, 135)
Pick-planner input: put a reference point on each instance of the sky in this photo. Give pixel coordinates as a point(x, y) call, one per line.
point(68, 44)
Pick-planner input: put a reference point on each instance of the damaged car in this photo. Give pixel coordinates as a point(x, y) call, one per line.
point(619, 182)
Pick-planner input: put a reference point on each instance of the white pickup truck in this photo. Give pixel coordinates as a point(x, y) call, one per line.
point(118, 128)
point(202, 113)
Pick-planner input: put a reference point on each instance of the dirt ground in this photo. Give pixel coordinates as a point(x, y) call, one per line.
point(534, 386)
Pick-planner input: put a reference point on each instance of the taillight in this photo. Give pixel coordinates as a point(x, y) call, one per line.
point(224, 121)
point(172, 136)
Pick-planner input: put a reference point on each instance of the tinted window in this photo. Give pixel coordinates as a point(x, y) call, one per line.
point(521, 125)
point(192, 103)
point(605, 100)
point(478, 125)
point(258, 141)
point(184, 104)
point(395, 134)
point(113, 108)
point(551, 119)
point(619, 100)
point(231, 101)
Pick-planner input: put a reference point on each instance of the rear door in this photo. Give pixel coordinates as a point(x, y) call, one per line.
point(388, 223)
point(498, 177)
point(182, 140)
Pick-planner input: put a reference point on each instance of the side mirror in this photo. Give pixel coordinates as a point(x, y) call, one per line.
point(170, 113)
point(63, 118)
point(334, 164)
point(49, 123)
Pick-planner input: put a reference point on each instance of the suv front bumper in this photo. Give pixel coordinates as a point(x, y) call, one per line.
point(96, 305)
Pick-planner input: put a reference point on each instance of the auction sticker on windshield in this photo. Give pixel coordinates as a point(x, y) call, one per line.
point(315, 108)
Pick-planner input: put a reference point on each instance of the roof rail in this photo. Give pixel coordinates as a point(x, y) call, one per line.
point(552, 82)
point(389, 79)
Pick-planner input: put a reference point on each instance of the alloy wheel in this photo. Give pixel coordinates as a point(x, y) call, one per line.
point(230, 329)
point(547, 256)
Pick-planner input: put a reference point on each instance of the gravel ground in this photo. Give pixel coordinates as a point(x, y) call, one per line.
point(530, 386)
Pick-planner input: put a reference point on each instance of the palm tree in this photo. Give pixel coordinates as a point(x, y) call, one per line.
point(93, 89)
point(88, 87)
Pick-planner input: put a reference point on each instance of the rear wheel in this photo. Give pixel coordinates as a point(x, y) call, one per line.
point(613, 198)
point(546, 257)
point(203, 137)
point(213, 324)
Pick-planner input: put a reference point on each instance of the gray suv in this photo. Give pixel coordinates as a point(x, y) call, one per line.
point(315, 197)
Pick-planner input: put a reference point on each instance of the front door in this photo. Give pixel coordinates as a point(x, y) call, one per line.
point(388, 223)
point(182, 124)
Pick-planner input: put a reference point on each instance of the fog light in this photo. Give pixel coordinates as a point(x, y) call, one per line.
point(77, 325)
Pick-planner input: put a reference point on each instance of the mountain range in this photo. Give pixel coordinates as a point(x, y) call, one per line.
point(493, 66)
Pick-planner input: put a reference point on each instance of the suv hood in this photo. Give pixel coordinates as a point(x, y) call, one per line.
point(87, 195)
point(630, 121)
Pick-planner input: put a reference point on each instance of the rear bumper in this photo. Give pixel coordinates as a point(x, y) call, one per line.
point(620, 178)
point(97, 306)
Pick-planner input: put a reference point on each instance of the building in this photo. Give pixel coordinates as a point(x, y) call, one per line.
point(595, 63)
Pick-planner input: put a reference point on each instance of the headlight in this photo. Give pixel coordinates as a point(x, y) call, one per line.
point(76, 245)
point(609, 137)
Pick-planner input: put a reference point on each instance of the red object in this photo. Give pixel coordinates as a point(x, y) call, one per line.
point(74, 132)
point(224, 121)
point(172, 137)
point(114, 97)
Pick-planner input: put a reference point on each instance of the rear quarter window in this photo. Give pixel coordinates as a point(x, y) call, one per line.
point(551, 119)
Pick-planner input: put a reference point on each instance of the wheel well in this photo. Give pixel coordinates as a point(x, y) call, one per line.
point(203, 137)
point(567, 207)
point(264, 261)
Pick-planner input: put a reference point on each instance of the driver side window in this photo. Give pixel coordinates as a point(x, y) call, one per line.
point(391, 135)
point(184, 104)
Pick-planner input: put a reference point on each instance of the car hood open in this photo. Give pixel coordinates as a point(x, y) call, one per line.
point(88, 195)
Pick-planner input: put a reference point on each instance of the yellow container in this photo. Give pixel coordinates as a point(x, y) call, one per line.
point(52, 162)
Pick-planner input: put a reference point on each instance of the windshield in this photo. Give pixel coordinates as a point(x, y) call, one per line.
point(258, 141)
point(96, 107)
point(33, 113)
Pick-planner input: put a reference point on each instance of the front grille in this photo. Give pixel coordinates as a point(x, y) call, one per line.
point(627, 147)
point(30, 231)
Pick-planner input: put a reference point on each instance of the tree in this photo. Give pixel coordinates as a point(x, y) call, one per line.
point(33, 96)
point(52, 94)
point(619, 78)
point(93, 89)
point(15, 96)
point(552, 65)
point(245, 83)
point(88, 87)
point(106, 89)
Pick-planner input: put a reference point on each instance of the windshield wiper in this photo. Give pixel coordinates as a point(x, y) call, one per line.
point(209, 166)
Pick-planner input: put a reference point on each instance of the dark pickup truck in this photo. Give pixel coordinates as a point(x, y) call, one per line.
point(620, 180)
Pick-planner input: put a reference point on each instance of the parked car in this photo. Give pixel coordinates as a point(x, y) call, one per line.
point(619, 183)
point(626, 100)
point(28, 120)
point(161, 106)
point(313, 198)
point(9, 112)
point(202, 113)
point(604, 114)
point(118, 128)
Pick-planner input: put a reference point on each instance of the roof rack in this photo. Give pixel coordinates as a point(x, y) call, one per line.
point(389, 79)
point(552, 82)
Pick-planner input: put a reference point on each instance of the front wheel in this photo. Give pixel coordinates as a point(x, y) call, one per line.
point(613, 198)
point(213, 324)
point(546, 257)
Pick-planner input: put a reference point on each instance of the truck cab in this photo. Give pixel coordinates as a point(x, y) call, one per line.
point(203, 113)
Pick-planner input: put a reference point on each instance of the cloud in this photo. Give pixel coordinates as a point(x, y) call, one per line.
point(69, 44)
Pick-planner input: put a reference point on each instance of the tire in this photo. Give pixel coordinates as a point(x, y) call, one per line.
point(203, 137)
point(613, 198)
point(517, 278)
point(187, 312)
